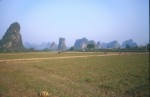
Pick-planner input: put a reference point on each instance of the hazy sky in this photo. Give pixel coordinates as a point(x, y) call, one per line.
point(99, 20)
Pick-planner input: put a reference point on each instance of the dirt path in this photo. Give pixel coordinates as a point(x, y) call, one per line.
point(50, 58)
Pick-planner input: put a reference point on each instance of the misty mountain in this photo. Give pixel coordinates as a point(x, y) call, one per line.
point(62, 44)
point(114, 44)
point(12, 40)
point(53, 46)
point(44, 45)
point(98, 45)
point(111, 45)
point(129, 43)
point(82, 43)
point(92, 42)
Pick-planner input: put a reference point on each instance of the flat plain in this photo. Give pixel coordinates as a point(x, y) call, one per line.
point(74, 74)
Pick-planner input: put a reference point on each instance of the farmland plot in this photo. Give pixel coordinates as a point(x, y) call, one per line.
point(74, 75)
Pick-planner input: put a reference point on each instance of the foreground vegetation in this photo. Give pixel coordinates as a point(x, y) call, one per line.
point(125, 75)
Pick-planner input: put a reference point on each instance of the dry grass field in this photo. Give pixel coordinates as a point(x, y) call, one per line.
point(74, 74)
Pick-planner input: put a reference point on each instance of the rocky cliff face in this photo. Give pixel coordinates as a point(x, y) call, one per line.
point(110, 45)
point(53, 46)
point(82, 43)
point(130, 43)
point(98, 45)
point(62, 44)
point(113, 44)
point(12, 40)
point(42, 46)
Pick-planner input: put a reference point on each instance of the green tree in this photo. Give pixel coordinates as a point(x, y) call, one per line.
point(72, 48)
point(90, 46)
point(31, 49)
point(128, 46)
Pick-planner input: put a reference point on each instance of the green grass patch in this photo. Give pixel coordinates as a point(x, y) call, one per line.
point(96, 76)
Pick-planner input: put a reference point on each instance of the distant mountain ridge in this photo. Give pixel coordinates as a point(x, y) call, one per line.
point(114, 44)
point(47, 45)
point(12, 41)
point(82, 44)
point(129, 43)
point(42, 46)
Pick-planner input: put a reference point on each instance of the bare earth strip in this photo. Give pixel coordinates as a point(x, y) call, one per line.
point(50, 58)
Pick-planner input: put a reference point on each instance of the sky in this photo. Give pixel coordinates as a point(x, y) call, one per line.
point(98, 20)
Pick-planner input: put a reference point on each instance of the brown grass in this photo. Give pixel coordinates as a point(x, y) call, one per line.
point(93, 76)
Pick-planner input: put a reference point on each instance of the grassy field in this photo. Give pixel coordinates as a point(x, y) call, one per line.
point(74, 74)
